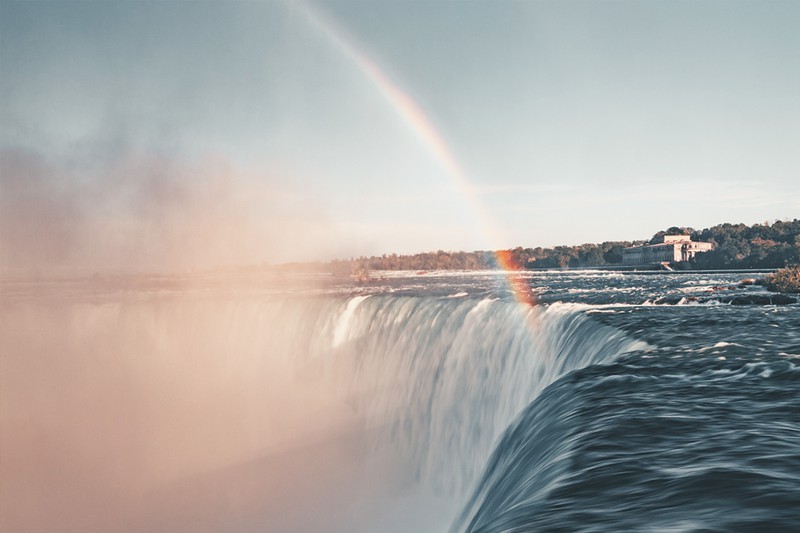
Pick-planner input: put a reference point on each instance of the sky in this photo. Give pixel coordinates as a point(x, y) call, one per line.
point(155, 134)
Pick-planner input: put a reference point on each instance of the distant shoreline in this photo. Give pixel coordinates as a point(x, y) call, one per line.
point(233, 275)
point(639, 270)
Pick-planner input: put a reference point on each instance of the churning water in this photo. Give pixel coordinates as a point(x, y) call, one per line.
point(428, 402)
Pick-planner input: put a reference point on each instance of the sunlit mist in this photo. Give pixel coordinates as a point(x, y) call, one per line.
point(298, 266)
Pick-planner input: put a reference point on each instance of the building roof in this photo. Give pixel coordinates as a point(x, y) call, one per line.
point(672, 243)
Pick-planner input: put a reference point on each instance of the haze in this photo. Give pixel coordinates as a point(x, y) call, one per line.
point(171, 135)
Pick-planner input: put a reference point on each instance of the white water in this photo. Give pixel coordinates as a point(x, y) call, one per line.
point(269, 412)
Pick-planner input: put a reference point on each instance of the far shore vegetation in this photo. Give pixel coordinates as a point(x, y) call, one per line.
point(736, 246)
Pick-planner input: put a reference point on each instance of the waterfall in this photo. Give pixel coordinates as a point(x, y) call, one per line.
point(130, 391)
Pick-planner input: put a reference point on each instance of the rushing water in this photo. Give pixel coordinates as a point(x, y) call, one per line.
point(426, 402)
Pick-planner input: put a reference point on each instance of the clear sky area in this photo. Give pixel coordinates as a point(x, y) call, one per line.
point(139, 134)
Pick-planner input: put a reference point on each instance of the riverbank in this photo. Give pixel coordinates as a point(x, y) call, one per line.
point(655, 269)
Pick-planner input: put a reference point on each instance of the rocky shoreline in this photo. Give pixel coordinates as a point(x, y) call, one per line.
point(737, 299)
point(776, 283)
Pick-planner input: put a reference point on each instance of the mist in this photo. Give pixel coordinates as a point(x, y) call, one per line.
point(159, 410)
point(144, 211)
point(130, 406)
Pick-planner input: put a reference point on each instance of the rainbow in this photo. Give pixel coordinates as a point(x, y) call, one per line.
point(423, 128)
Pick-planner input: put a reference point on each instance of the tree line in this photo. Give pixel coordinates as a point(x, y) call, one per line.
point(735, 246)
point(519, 258)
point(758, 246)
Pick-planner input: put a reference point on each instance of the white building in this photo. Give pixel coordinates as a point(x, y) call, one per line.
point(671, 249)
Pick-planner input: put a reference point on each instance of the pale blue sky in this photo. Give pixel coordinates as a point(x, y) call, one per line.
point(574, 121)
